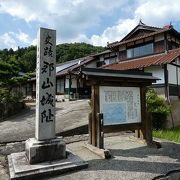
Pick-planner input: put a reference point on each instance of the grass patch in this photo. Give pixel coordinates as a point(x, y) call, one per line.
point(169, 134)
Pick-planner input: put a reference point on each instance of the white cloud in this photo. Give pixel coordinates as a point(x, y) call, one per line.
point(73, 19)
point(154, 13)
point(7, 41)
point(70, 18)
point(114, 33)
point(158, 13)
point(34, 42)
point(21, 36)
point(11, 39)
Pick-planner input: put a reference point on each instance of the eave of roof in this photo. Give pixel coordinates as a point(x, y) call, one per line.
point(141, 26)
point(117, 43)
point(139, 63)
point(94, 72)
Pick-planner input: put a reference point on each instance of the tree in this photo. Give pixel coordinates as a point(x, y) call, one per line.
point(9, 77)
point(70, 51)
point(28, 61)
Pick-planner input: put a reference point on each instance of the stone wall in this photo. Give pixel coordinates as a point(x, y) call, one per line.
point(10, 109)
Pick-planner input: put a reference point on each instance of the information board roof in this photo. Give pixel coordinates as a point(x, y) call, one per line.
point(117, 73)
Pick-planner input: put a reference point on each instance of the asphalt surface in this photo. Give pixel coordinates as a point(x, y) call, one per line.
point(69, 115)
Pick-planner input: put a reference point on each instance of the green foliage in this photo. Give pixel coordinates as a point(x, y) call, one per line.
point(69, 51)
point(169, 134)
point(9, 77)
point(7, 97)
point(25, 58)
point(158, 107)
point(28, 61)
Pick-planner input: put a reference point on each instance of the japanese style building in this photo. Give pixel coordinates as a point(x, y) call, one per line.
point(145, 48)
point(151, 49)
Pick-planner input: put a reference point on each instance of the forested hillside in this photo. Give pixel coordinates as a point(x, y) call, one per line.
point(25, 58)
point(16, 67)
point(66, 52)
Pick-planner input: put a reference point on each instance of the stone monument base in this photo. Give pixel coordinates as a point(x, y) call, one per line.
point(46, 150)
point(20, 168)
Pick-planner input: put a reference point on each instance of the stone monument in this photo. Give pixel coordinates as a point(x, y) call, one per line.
point(45, 146)
point(46, 153)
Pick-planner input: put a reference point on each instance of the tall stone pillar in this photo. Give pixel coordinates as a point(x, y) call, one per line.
point(45, 146)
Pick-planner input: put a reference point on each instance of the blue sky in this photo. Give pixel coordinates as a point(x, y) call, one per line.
point(96, 22)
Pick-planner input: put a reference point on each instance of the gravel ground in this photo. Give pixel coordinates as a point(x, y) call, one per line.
point(131, 159)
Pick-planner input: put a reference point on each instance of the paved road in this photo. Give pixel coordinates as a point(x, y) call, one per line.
point(69, 115)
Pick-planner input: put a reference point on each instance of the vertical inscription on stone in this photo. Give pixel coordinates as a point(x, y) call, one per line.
point(45, 84)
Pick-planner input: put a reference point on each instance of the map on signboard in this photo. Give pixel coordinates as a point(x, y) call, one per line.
point(120, 105)
point(111, 111)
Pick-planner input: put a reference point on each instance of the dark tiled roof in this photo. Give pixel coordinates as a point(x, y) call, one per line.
point(117, 43)
point(81, 63)
point(141, 26)
point(146, 61)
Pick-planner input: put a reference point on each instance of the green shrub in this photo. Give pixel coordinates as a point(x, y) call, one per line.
point(7, 97)
point(158, 107)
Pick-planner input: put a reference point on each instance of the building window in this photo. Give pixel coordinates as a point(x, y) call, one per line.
point(140, 50)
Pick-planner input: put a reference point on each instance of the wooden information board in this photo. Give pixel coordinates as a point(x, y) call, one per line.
point(120, 105)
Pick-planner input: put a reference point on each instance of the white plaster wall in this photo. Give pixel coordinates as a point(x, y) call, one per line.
point(172, 74)
point(101, 58)
point(179, 76)
point(66, 83)
point(73, 85)
point(157, 71)
point(34, 87)
point(91, 64)
point(60, 85)
point(178, 63)
point(81, 83)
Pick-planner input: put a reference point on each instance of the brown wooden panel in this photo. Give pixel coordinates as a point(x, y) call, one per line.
point(121, 127)
point(159, 46)
point(122, 55)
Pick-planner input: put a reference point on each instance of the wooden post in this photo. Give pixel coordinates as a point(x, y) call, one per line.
point(102, 134)
point(99, 130)
point(149, 138)
point(137, 133)
point(90, 128)
point(143, 113)
point(95, 110)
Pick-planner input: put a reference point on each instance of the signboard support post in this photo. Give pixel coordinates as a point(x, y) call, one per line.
point(95, 110)
point(90, 127)
point(137, 133)
point(100, 139)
